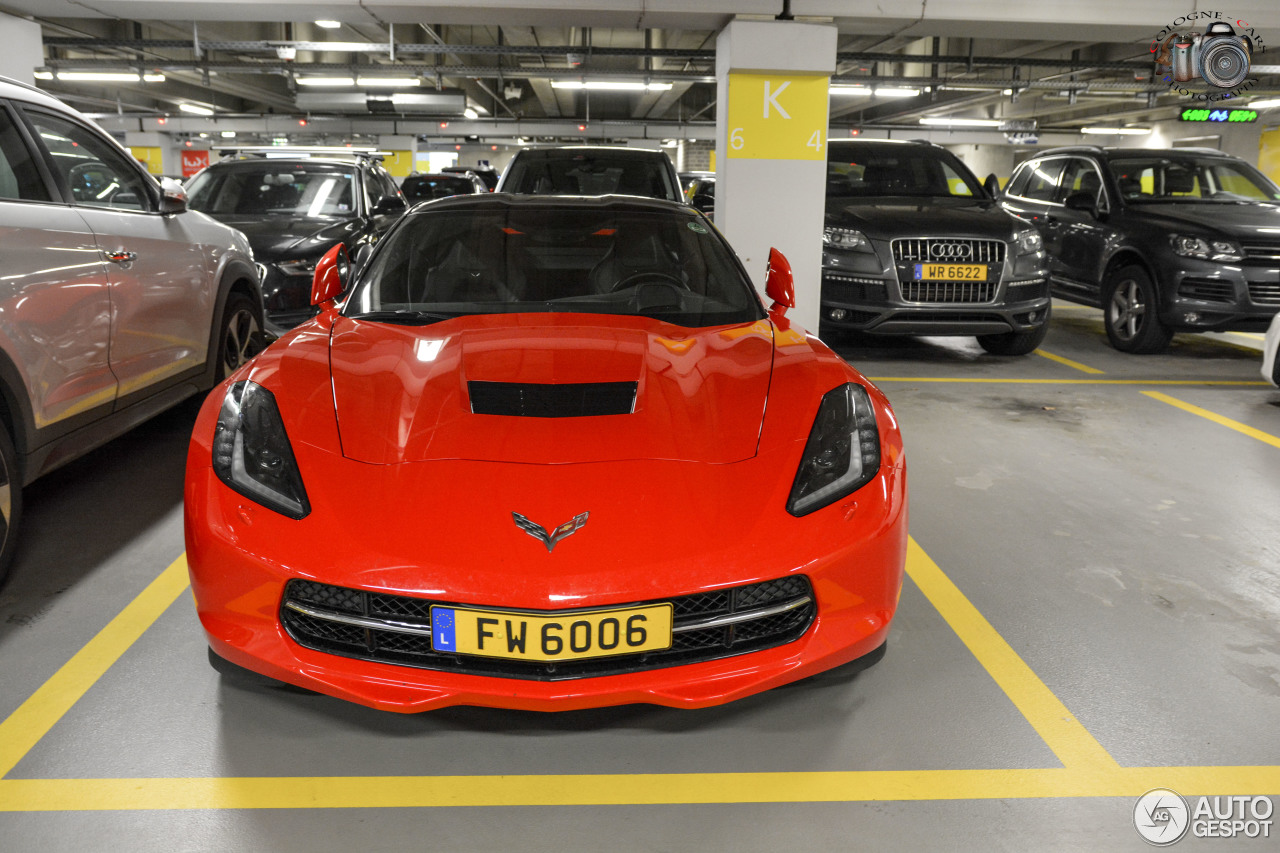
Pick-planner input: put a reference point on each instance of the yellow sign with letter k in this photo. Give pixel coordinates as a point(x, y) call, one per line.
point(778, 116)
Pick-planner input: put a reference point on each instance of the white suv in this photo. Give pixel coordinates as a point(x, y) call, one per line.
point(116, 302)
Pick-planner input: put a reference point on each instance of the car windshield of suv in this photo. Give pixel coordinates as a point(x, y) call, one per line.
point(901, 171)
point(425, 187)
point(591, 173)
point(444, 263)
point(1157, 178)
point(274, 189)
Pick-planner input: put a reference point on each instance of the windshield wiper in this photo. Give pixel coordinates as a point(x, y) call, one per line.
point(403, 318)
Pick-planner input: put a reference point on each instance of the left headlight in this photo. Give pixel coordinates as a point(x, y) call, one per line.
point(843, 451)
point(1210, 250)
point(251, 452)
point(304, 266)
point(1029, 242)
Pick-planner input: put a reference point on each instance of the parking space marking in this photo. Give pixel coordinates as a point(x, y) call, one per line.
point(1063, 733)
point(1088, 770)
point(1244, 429)
point(1084, 368)
point(24, 728)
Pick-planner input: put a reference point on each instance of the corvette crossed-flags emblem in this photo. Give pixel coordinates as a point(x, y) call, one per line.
point(537, 531)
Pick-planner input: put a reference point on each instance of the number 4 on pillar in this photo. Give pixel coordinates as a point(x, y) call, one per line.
point(777, 116)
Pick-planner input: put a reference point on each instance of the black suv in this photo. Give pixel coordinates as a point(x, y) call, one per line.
point(293, 210)
point(592, 170)
point(913, 244)
point(1163, 240)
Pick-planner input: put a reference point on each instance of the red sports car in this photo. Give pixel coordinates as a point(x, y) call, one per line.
point(546, 453)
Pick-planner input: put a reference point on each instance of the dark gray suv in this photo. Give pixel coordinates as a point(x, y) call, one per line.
point(1163, 240)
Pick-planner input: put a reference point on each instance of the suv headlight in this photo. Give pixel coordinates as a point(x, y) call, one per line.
point(845, 238)
point(843, 451)
point(304, 266)
point(251, 452)
point(1209, 250)
point(1029, 242)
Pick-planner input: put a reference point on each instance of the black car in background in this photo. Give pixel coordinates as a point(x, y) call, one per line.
point(488, 174)
point(416, 188)
point(914, 245)
point(592, 170)
point(293, 210)
point(1163, 240)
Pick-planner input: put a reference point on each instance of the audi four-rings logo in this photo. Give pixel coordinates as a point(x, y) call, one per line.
point(950, 250)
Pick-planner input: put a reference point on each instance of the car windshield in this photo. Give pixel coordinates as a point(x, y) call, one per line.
point(274, 189)
point(424, 187)
point(897, 171)
point(595, 260)
point(591, 173)
point(1158, 178)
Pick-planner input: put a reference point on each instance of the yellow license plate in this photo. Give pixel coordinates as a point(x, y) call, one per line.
point(951, 272)
point(562, 637)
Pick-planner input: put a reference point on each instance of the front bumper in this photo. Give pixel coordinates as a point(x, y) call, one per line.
point(1209, 296)
point(867, 292)
point(457, 544)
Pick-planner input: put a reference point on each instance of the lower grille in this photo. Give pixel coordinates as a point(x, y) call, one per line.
point(758, 616)
point(1265, 292)
point(948, 291)
point(1207, 289)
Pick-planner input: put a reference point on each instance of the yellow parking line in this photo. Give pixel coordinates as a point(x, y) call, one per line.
point(981, 380)
point(1068, 362)
point(1244, 429)
point(34, 717)
point(1068, 739)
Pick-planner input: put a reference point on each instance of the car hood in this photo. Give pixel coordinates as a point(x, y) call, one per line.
point(1245, 219)
point(889, 217)
point(276, 238)
point(403, 394)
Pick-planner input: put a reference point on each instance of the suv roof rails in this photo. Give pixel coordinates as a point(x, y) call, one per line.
point(247, 151)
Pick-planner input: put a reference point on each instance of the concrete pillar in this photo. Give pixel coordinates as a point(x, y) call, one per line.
point(401, 151)
point(771, 148)
point(23, 48)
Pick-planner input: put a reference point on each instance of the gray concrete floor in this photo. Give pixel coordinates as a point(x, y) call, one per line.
point(1124, 549)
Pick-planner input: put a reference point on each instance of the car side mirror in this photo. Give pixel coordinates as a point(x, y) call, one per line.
point(330, 278)
point(703, 202)
point(173, 198)
point(779, 284)
point(389, 204)
point(992, 185)
point(1086, 202)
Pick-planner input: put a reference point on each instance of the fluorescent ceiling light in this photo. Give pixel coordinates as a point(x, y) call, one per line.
point(42, 75)
point(195, 109)
point(107, 77)
point(961, 122)
point(228, 134)
point(326, 81)
point(849, 89)
point(328, 25)
point(390, 82)
point(1264, 104)
point(1117, 131)
point(895, 92)
point(470, 113)
point(618, 86)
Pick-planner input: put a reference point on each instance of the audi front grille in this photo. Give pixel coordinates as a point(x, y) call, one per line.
point(948, 250)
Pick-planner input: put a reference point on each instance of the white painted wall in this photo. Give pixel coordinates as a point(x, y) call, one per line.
point(23, 48)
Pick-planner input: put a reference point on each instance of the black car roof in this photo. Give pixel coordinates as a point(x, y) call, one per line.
point(496, 201)
point(574, 150)
point(1113, 151)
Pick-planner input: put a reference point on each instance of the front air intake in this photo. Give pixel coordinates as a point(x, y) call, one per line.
point(567, 400)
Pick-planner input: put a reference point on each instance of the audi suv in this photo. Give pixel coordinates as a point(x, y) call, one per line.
point(914, 245)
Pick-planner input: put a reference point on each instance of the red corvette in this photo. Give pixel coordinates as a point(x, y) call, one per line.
point(546, 453)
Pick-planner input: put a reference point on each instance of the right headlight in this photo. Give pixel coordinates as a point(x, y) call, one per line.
point(251, 452)
point(1189, 246)
point(845, 238)
point(843, 451)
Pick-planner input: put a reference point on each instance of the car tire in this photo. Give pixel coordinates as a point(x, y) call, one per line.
point(10, 501)
point(240, 337)
point(246, 678)
point(1015, 343)
point(1129, 312)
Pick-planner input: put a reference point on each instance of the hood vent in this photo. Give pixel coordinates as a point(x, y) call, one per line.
point(566, 400)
